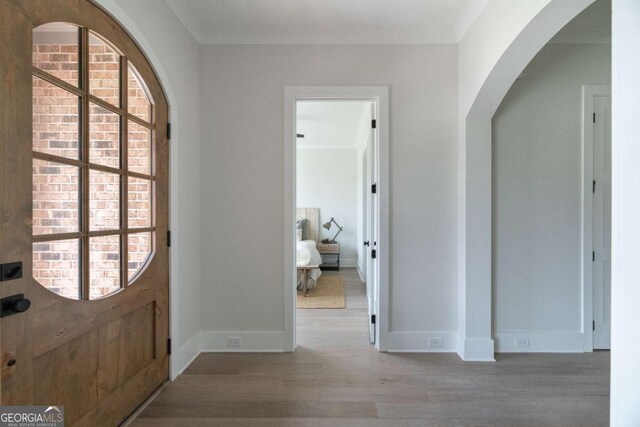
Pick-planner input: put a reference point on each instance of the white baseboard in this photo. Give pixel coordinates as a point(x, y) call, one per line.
point(183, 356)
point(540, 342)
point(418, 342)
point(473, 349)
point(476, 349)
point(209, 342)
point(258, 341)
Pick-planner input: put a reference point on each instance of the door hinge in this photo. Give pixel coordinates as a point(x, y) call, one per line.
point(374, 188)
point(168, 130)
point(169, 238)
point(168, 345)
point(373, 319)
point(594, 117)
point(374, 124)
point(594, 186)
point(594, 325)
point(593, 256)
point(374, 253)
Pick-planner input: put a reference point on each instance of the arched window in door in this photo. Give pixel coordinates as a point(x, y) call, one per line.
point(93, 164)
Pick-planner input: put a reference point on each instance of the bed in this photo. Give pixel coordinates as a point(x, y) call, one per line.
point(308, 258)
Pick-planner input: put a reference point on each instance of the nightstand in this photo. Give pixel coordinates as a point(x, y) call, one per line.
point(330, 253)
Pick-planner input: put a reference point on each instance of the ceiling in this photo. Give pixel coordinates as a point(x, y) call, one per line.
point(330, 124)
point(356, 21)
point(326, 21)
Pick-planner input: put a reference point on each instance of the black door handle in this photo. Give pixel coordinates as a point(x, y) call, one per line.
point(13, 305)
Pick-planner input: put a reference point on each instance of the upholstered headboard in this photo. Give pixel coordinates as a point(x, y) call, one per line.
point(312, 227)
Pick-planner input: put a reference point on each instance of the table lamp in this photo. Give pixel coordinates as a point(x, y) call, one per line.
point(327, 225)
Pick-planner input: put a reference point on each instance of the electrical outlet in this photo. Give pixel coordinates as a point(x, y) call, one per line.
point(234, 342)
point(435, 342)
point(522, 342)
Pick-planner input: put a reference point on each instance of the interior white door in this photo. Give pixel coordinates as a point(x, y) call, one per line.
point(602, 222)
point(365, 208)
point(372, 225)
point(368, 237)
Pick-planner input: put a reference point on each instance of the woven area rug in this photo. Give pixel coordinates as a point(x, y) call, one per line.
point(328, 293)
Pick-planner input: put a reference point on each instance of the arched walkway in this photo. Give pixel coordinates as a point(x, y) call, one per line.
point(493, 52)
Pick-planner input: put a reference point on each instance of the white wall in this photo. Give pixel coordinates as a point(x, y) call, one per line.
point(327, 179)
point(242, 172)
point(625, 336)
point(175, 54)
point(537, 186)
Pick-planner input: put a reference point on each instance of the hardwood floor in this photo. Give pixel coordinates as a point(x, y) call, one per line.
point(345, 328)
point(336, 378)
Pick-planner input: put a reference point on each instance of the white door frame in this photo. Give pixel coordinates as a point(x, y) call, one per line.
point(380, 96)
point(588, 93)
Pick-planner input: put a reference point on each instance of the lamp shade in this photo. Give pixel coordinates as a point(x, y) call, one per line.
point(327, 225)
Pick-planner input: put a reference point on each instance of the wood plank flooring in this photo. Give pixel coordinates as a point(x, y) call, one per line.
point(344, 328)
point(336, 378)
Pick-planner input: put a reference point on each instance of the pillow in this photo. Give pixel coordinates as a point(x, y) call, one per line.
point(299, 228)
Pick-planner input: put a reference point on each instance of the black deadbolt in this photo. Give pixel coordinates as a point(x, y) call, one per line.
point(10, 271)
point(13, 305)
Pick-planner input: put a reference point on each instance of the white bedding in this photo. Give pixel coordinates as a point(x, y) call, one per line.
point(307, 254)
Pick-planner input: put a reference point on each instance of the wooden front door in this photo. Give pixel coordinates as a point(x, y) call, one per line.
point(84, 208)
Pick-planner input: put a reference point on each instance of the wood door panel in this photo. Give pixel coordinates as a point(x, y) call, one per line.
point(68, 374)
point(76, 319)
point(127, 345)
point(97, 364)
point(114, 407)
point(99, 358)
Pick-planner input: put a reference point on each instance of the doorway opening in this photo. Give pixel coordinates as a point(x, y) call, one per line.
point(335, 166)
point(336, 221)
